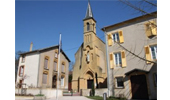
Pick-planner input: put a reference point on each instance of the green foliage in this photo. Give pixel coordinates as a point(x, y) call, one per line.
point(101, 98)
point(39, 95)
point(70, 78)
point(93, 90)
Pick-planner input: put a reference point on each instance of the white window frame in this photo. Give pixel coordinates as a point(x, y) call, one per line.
point(155, 51)
point(116, 35)
point(62, 81)
point(118, 59)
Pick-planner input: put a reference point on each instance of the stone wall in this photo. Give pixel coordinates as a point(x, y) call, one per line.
point(98, 92)
point(49, 93)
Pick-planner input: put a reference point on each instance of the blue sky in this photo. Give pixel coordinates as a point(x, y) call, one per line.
point(41, 21)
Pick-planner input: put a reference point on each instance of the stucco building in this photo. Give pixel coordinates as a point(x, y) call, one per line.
point(90, 58)
point(132, 50)
point(39, 68)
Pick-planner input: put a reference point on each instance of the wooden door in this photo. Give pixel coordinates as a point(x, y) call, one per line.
point(89, 84)
point(139, 87)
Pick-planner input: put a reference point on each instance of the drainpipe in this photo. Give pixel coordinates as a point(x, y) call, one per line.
point(108, 69)
point(38, 68)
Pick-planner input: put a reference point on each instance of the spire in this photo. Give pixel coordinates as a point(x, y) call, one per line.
point(89, 13)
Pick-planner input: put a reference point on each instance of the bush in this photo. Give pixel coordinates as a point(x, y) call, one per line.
point(93, 90)
point(39, 95)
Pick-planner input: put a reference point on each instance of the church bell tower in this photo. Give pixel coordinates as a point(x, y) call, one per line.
point(89, 28)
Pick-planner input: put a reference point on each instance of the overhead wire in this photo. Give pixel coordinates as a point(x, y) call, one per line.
point(89, 42)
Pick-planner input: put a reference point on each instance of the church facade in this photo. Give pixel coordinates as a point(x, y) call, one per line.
point(90, 67)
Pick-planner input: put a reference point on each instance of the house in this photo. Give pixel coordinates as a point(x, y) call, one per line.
point(132, 54)
point(39, 68)
point(90, 67)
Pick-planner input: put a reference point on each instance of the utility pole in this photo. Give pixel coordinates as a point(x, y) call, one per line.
point(107, 60)
point(58, 67)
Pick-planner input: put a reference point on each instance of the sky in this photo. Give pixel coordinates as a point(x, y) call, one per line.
point(41, 21)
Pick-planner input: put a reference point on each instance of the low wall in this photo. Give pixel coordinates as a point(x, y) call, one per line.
point(49, 93)
point(98, 92)
point(86, 92)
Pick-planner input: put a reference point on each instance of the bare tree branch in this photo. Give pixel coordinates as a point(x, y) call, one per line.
point(136, 8)
point(136, 55)
point(150, 3)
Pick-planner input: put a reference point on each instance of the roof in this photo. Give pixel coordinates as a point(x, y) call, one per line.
point(150, 15)
point(89, 13)
point(44, 49)
point(136, 70)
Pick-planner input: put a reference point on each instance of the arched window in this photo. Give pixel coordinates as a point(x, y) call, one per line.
point(21, 71)
point(88, 26)
point(63, 67)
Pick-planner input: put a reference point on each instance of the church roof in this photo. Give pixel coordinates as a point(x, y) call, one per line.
point(89, 13)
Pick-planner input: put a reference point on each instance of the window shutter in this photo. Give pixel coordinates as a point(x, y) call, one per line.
point(110, 41)
point(147, 54)
point(123, 56)
point(121, 37)
point(148, 30)
point(154, 28)
point(111, 61)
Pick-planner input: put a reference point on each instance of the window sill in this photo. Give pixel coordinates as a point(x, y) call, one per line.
point(46, 68)
point(119, 87)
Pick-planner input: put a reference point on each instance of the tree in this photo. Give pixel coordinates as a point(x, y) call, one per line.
point(71, 64)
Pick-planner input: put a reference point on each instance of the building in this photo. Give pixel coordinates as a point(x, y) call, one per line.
point(132, 52)
point(90, 58)
point(39, 68)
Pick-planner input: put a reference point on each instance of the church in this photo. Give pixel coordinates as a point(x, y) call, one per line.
point(90, 59)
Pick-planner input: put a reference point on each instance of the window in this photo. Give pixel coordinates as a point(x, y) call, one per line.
point(44, 78)
point(56, 55)
point(119, 82)
point(46, 63)
point(55, 66)
point(88, 26)
point(153, 50)
point(151, 28)
point(62, 68)
point(116, 37)
point(21, 71)
point(23, 59)
point(150, 53)
point(117, 57)
point(155, 79)
point(62, 81)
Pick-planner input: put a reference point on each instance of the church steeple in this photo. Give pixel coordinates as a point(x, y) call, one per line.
point(89, 13)
point(89, 28)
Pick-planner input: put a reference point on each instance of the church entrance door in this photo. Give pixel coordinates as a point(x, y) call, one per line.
point(89, 83)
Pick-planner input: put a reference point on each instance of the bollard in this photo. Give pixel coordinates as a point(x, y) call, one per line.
point(104, 96)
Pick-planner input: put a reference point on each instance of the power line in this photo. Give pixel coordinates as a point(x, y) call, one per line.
point(90, 42)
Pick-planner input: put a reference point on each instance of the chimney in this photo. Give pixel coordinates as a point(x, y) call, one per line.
point(31, 45)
